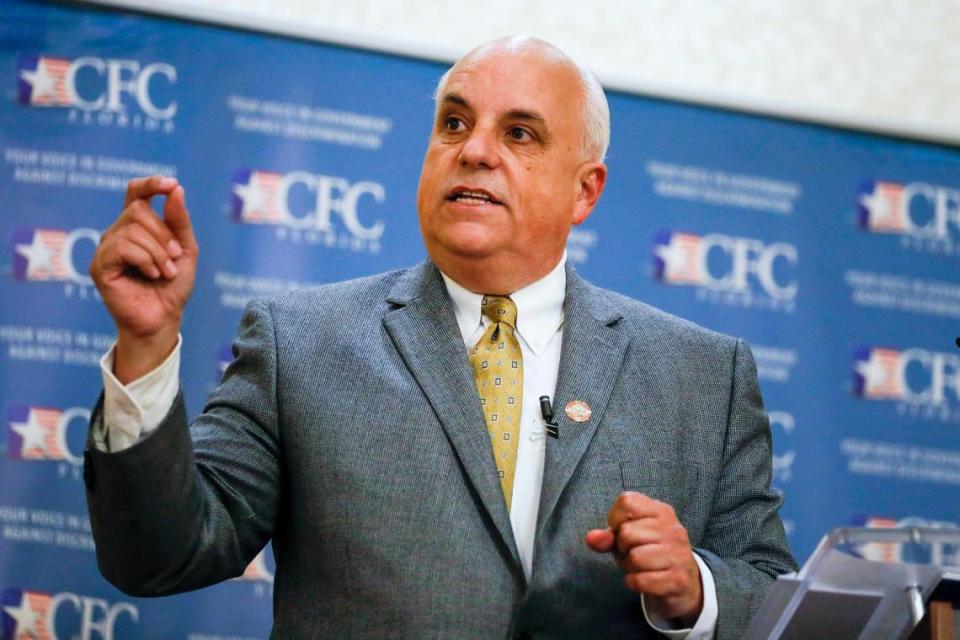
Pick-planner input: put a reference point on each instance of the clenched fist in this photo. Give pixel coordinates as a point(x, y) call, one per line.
point(145, 268)
point(652, 547)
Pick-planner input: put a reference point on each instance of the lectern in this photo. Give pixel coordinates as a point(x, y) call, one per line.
point(868, 584)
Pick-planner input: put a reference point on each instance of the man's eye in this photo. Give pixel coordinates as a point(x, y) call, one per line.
point(519, 133)
point(453, 124)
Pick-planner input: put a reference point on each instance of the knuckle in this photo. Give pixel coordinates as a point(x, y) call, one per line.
point(141, 212)
point(638, 582)
point(662, 509)
point(622, 548)
point(630, 503)
point(104, 250)
point(135, 220)
point(128, 214)
point(129, 232)
point(679, 533)
point(126, 250)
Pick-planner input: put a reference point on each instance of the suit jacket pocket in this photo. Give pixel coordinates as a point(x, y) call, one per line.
point(665, 480)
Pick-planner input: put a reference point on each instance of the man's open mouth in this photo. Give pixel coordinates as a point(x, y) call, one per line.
point(472, 196)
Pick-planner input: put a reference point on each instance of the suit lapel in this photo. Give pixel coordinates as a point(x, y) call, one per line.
point(425, 332)
point(590, 362)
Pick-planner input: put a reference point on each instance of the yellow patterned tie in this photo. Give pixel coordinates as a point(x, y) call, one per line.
point(498, 372)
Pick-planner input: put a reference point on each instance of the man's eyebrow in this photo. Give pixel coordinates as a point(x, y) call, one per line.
point(456, 99)
point(513, 114)
point(520, 114)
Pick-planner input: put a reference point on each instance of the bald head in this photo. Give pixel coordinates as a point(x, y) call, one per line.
point(513, 162)
point(595, 113)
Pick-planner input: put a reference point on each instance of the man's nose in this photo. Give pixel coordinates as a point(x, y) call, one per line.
point(481, 149)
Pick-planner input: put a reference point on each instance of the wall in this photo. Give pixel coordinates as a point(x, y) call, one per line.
point(891, 65)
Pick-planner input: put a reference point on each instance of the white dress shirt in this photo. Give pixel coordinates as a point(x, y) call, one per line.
point(131, 412)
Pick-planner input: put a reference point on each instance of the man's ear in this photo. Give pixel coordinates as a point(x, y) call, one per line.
point(591, 179)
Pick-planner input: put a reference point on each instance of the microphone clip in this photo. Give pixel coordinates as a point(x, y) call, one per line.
point(546, 411)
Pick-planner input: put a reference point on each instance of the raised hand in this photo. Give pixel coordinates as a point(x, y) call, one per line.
point(145, 268)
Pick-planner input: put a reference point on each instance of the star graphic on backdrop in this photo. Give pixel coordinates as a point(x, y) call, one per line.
point(41, 81)
point(26, 619)
point(255, 198)
point(33, 433)
point(880, 208)
point(874, 374)
point(673, 256)
point(39, 256)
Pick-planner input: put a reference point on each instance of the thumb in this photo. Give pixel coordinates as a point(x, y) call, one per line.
point(601, 540)
point(176, 216)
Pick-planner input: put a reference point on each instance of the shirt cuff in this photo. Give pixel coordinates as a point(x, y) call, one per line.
point(706, 624)
point(131, 412)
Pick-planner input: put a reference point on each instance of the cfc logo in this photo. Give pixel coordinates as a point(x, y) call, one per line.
point(41, 433)
point(39, 616)
point(54, 255)
point(304, 206)
point(924, 383)
point(922, 214)
point(731, 270)
point(123, 93)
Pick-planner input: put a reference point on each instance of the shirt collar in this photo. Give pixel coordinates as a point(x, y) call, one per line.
point(539, 307)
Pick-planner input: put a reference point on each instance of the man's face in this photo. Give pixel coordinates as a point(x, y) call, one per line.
point(503, 177)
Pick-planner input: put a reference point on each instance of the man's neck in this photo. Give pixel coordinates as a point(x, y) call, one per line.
point(539, 307)
point(493, 278)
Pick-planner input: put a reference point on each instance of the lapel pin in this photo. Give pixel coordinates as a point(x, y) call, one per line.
point(578, 411)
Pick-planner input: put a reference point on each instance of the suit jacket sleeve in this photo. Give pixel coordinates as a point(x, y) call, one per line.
point(185, 508)
point(744, 542)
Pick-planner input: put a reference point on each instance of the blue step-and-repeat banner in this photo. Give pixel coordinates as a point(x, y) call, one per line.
point(834, 253)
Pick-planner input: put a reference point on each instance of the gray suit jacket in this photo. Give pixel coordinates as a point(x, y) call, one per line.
point(350, 432)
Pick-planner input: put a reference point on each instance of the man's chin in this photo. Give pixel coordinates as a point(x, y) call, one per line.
point(473, 257)
point(469, 243)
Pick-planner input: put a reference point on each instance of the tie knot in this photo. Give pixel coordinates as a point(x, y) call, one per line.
point(499, 309)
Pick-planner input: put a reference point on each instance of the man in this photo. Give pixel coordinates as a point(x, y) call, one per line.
point(386, 434)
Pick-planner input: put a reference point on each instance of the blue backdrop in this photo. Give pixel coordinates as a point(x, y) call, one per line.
point(834, 253)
